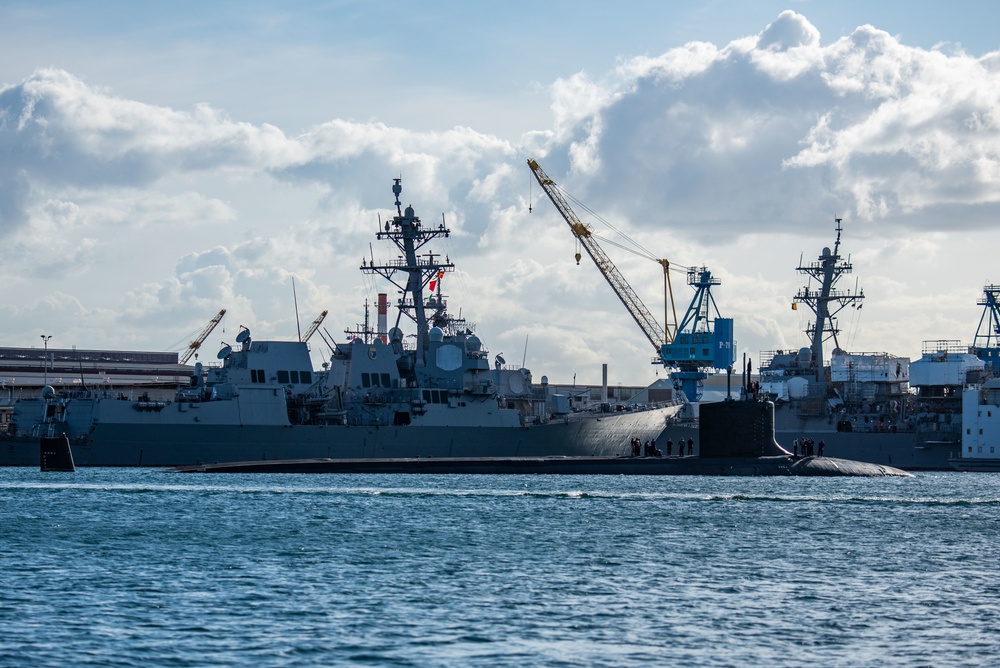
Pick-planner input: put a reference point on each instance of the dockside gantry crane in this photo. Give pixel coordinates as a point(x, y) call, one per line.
point(702, 341)
point(986, 343)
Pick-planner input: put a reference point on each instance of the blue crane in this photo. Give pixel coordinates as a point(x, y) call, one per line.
point(703, 341)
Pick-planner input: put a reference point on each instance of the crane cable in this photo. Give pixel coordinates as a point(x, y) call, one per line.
point(636, 249)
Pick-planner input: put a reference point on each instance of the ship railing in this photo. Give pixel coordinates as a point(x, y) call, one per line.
point(945, 346)
point(876, 355)
point(766, 357)
point(809, 293)
point(401, 263)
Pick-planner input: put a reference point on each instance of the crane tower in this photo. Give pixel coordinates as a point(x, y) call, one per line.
point(987, 339)
point(701, 342)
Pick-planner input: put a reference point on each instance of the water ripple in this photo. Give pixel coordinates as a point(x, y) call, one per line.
point(132, 567)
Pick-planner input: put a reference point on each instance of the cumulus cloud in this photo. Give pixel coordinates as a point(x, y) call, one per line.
point(147, 218)
point(777, 128)
point(63, 129)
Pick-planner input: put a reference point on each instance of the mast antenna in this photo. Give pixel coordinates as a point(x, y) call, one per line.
point(295, 299)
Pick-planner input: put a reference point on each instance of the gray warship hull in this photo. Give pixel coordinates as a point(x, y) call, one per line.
point(902, 450)
point(155, 442)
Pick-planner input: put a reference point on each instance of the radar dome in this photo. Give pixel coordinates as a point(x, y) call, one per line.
point(473, 344)
point(798, 387)
point(395, 335)
point(48, 392)
point(436, 335)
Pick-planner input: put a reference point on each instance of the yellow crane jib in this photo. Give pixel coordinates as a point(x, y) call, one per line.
point(196, 343)
point(314, 326)
point(656, 334)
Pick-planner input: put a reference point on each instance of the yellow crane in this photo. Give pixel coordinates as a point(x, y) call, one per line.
point(656, 334)
point(196, 343)
point(313, 327)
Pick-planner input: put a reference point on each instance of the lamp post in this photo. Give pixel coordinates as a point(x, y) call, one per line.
point(45, 361)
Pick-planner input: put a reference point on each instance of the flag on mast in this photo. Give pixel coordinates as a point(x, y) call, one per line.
point(434, 281)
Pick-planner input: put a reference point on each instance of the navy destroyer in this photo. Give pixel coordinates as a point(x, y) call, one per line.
point(873, 407)
point(431, 393)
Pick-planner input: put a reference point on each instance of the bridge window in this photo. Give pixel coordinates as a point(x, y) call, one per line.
point(294, 376)
point(436, 396)
point(283, 377)
point(385, 380)
point(306, 377)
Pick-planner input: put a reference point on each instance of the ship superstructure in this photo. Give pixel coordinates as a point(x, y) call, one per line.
point(864, 391)
point(859, 404)
point(379, 395)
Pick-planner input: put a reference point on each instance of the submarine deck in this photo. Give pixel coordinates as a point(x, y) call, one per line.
point(721, 466)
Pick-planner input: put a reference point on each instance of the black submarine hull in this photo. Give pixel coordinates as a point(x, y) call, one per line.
point(737, 439)
point(722, 466)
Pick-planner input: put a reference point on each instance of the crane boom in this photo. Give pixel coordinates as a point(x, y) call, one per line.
point(196, 343)
point(314, 326)
point(656, 334)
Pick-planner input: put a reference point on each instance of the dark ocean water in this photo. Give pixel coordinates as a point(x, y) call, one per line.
point(130, 567)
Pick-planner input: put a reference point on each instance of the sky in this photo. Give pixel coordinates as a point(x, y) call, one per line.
point(161, 161)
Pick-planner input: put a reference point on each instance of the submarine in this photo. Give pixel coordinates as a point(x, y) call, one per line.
point(736, 439)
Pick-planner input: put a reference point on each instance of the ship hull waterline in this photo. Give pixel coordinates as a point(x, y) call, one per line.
point(159, 445)
point(656, 466)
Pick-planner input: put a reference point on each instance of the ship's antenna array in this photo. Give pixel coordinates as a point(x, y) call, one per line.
point(826, 301)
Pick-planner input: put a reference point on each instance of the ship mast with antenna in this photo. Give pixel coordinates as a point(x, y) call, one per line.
point(826, 302)
point(420, 270)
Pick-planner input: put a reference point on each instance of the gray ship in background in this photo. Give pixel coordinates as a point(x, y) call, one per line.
point(379, 396)
point(871, 407)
